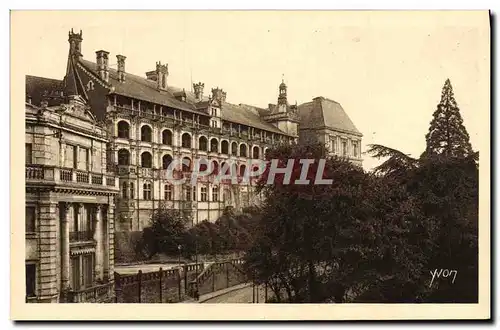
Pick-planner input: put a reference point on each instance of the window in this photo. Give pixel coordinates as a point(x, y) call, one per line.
point(146, 133)
point(124, 190)
point(123, 157)
point(187, 192)
point(214, 123)
point(132, 190)
point(344, 148)
point(214, 145)
point(30, 280)
point(146, 160)
point(225, 147)
point(215, 194)
point(214, 112)
point(75, 157)
point(256, 152)
point(75, 273)
point(87, 160)
point(167, 137)
point(88, 270)
point(30, 219)
point(90, 85)
point(234, 149)
point(146, 191)
point(123, 130)
point(186, 140)
point(202, 143)
point(168, 192)
point(29, 153)
point(166, 161)
point(355, 149)
point(204, 194)
point(243, 150)
point(333, 142)
point(186, 164)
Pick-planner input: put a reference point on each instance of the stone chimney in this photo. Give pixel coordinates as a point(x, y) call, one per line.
point(162, 75)
point(152, 75)
point(75, 44)
point(102, 65)
point(198, 91)
point(121, 67)
point(218, 94)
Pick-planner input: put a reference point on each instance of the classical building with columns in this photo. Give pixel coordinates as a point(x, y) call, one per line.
point(69, 199)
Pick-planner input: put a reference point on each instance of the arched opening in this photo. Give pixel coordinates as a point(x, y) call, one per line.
point(234, 149)
point(166, 161)
point(266, 150)
point(146, 133)
point(186, 164)
point(146, 160)
point(224, 168)
point(224, 146)
point(166, 137)
point(214, 145)
point(186, 140)
point(242, 170)
point(123, 129)
point(203, 143)
point(243, 150)
point(215, 167)
point(256, 152)
point(123, 157)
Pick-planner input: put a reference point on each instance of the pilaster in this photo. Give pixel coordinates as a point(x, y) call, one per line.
point(47, 274)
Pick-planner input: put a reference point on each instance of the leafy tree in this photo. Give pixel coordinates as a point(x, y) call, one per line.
point(165, 233)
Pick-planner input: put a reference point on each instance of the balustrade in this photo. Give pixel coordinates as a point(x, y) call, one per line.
point(52, 174)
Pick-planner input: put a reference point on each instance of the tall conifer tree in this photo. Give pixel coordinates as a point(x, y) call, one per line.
point(447, 135)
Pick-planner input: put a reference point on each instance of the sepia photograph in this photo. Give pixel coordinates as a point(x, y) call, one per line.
point(317, 159)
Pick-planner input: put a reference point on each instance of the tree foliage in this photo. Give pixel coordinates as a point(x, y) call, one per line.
point(447, 135)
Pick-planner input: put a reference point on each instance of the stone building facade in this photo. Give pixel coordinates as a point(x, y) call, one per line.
point(69, 201)
point(151, 123)
point(148, 124)
point(325, 121)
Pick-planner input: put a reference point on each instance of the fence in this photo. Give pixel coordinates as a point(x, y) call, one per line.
point(218, 276)
point(163, 286)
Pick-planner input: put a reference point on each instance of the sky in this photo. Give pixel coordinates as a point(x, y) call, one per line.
point(386, 69)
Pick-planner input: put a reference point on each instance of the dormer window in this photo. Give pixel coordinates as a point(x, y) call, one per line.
point(90, 85)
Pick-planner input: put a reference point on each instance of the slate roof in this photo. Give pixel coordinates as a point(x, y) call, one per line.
point(323, 112)
point(39, 88)
point(144, 89)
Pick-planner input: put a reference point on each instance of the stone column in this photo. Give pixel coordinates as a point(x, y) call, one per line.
point(98, 238)
point(65, 263)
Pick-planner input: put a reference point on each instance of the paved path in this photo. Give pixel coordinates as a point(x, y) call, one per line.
point(238, 295)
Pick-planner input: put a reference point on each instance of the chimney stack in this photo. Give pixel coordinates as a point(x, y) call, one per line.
point(218, 94)
point(198, 91)
point(162, 75)
point(152, 75)
point(121, 67)
point(102, 64)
